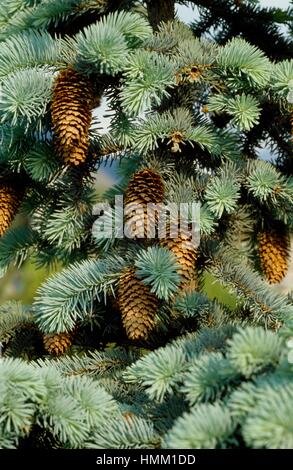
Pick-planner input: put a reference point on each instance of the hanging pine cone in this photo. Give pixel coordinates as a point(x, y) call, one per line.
point(71, 115)
point(145, 187)
point(10, 199)
point(57, 343)
point(273, 249)
point(137, 305)
point(186, 255)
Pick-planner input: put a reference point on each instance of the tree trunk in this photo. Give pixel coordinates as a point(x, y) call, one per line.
point(160, 10)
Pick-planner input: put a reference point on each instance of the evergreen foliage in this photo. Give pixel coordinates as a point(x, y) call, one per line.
point(150, 361)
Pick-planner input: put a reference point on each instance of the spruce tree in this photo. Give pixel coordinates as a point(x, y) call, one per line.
point(123, 348)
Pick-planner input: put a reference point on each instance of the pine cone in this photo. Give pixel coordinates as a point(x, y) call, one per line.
point(10, 199)
point(71, 115)
point(137, 305)
point(145, 187)
point(274, 253)
point(57, 343)
point(186, 256)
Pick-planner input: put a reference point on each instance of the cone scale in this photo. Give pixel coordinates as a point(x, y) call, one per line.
point(137, 305)
point(57, 344)
point(10, 199)
point(145, 187)
point(274, 253)
point(186, 255)
point(71, 116)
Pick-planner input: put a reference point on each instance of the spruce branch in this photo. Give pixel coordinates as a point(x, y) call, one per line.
point(192, 304)
point(188, 117)
point(238, 57)
point(267, 184)
point(12, 316)
point(157, 268)
point(106, 44)
point(102, 47)
point(32, 49)
point(148, 76)
point(253, 349)
point(95, 363)
point(134, 27)
point(269, 425)
point(159, 372)
point(265, 305)
point(282, 78)
point(222, 195)
point(176, 126)
point(244, 109)
point(40, 15)
point(126, 432)
point(15, 245)
point(208, 426)
point(209, 377)
point(41, 161)
point(69, 295)
point(25, 96)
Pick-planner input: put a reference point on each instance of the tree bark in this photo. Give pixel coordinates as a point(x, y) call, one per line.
point(160, 10)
